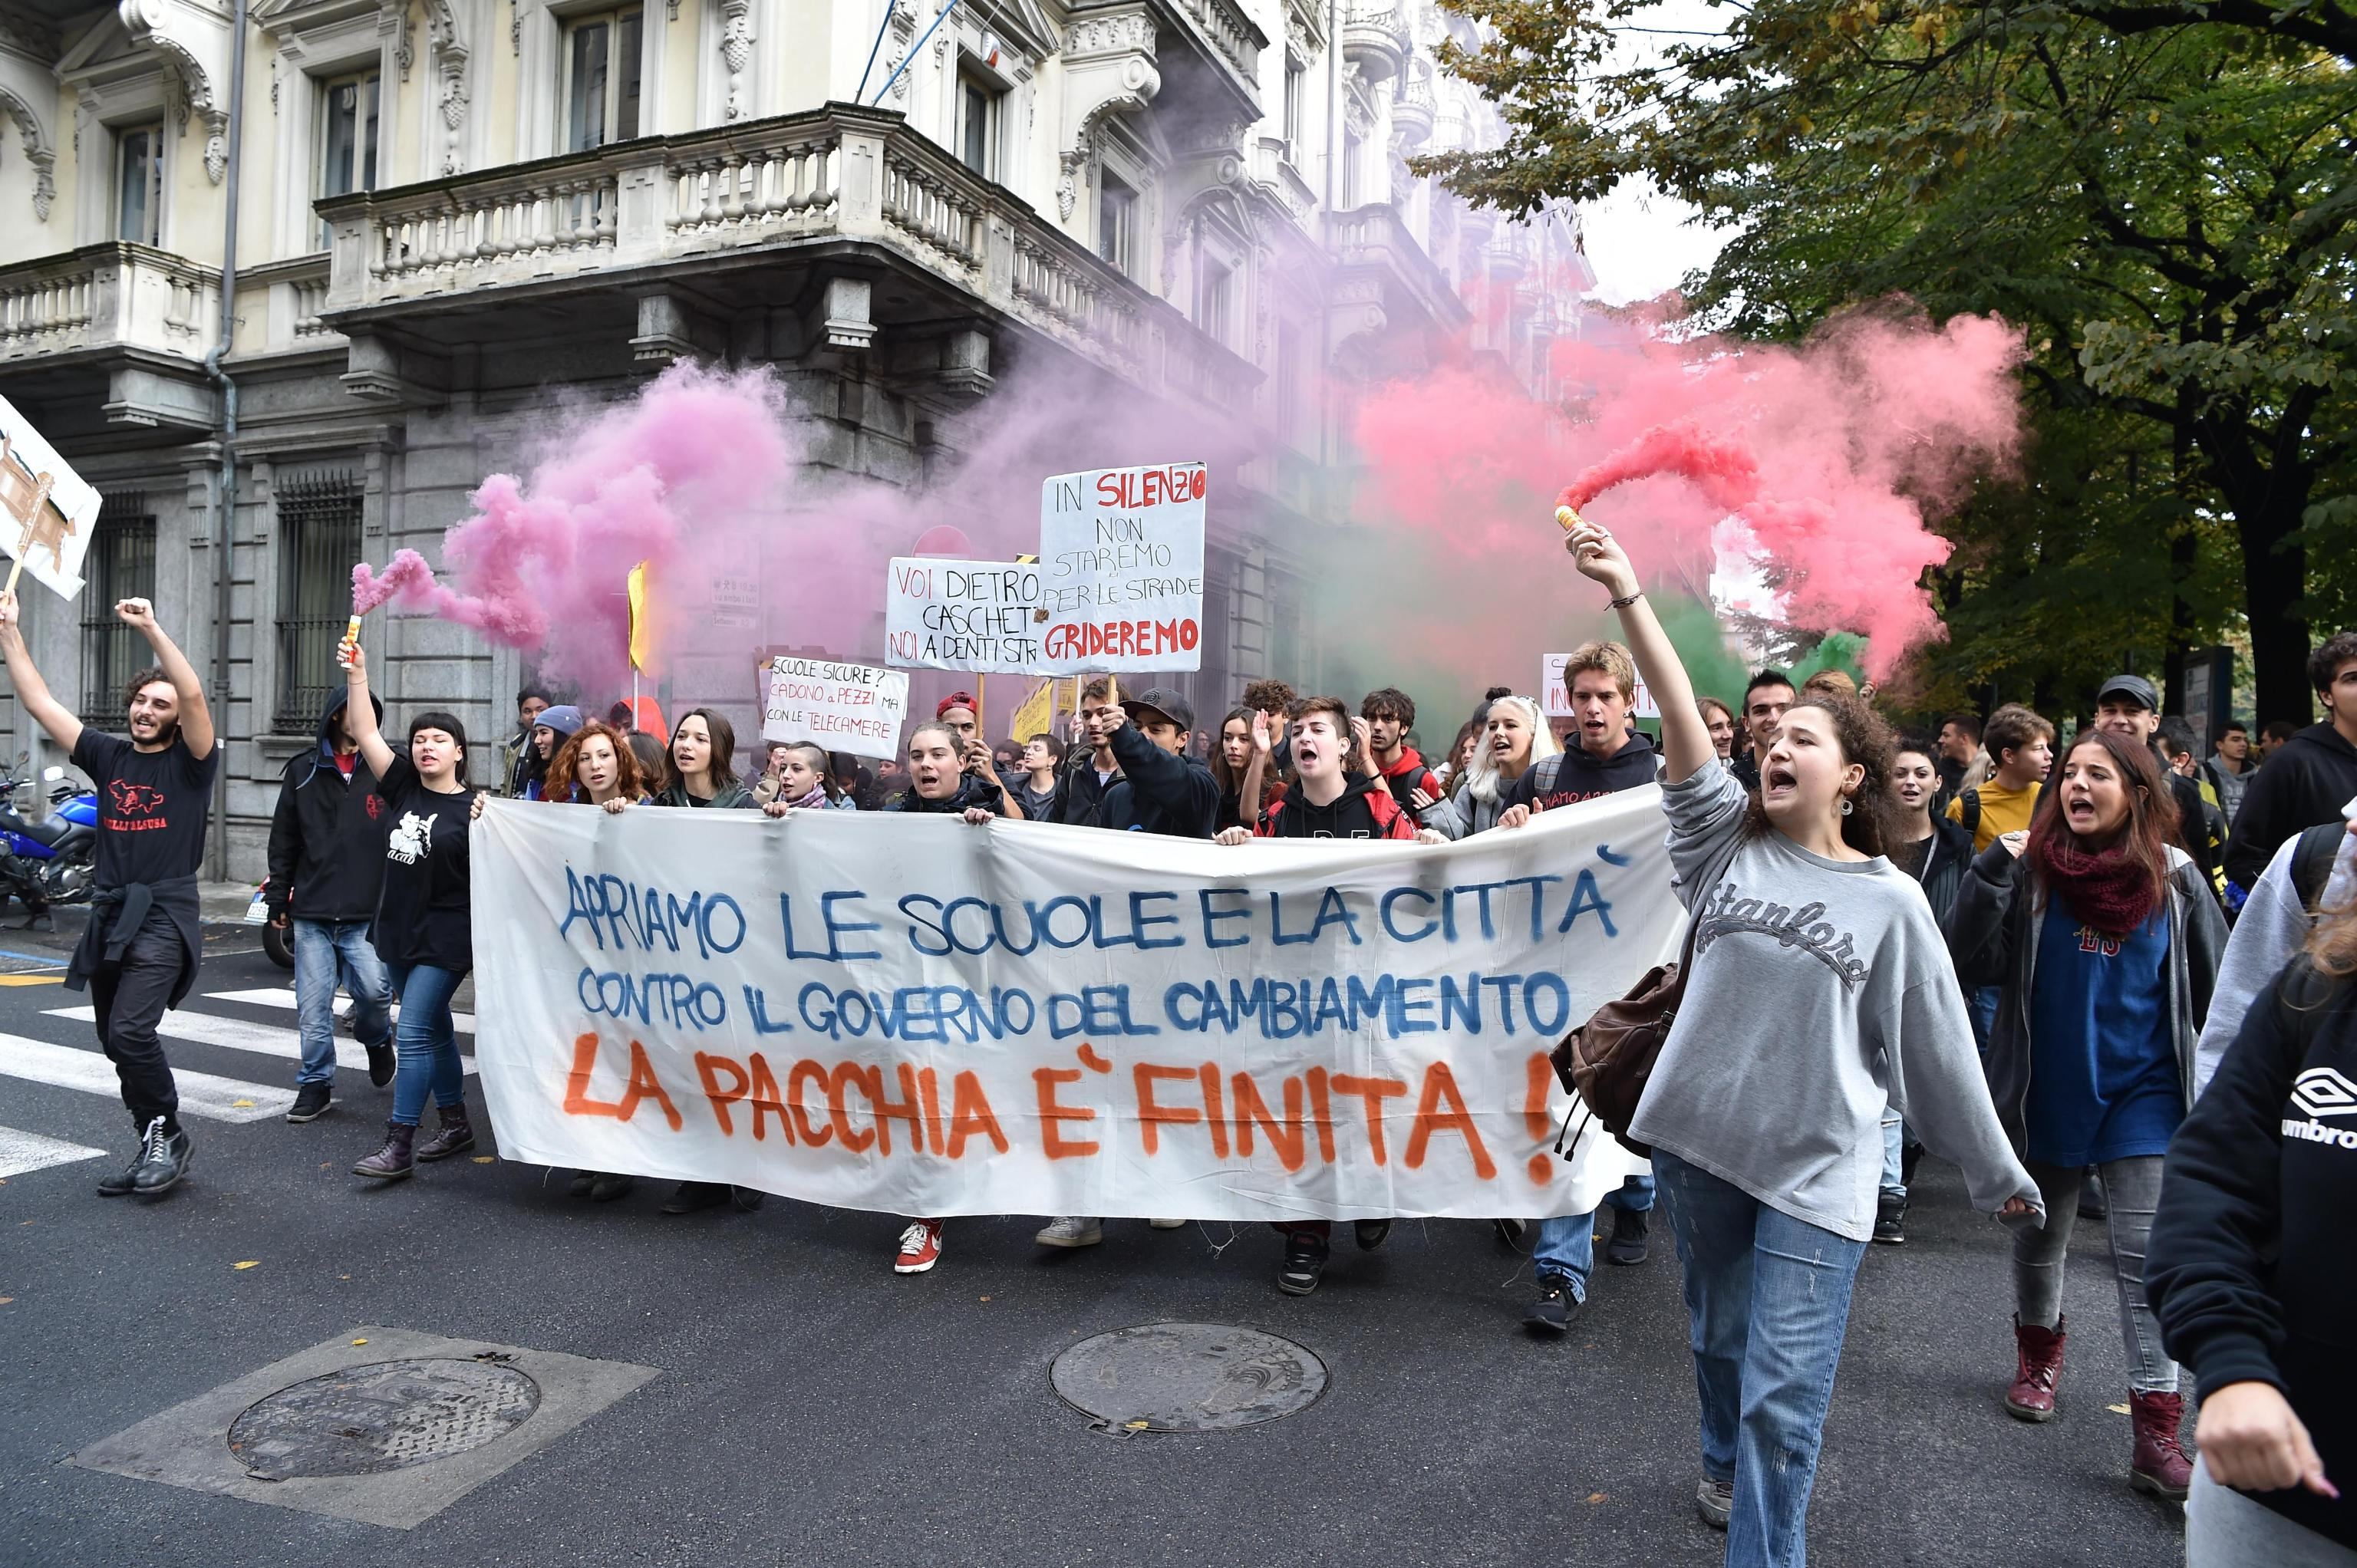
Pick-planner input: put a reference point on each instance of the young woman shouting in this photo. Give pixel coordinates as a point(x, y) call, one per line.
point(1820, 992)
point(1515, 735)
point(2104, 941)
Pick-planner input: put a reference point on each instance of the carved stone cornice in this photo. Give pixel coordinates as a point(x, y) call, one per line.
point(193, 47)
point(39, 151)
point(1108, 70)
point(451, 51)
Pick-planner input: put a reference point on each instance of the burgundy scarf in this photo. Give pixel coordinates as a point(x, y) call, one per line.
point(2107, 889)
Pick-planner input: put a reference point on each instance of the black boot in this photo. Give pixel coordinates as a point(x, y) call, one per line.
point(393, 1162)
point(453, 1133)
point(1630, 1242)
point(692, 1195)
point(162, 1163)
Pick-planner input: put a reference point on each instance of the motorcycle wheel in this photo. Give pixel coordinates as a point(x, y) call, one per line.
point(274, 942)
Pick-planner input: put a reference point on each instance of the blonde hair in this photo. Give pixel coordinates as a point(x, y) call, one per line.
point(1605, 659)
point(1831, 682)
point(1481, 781)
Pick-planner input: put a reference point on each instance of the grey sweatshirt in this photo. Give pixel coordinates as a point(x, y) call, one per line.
point(1821, 990)
point(2270, 933)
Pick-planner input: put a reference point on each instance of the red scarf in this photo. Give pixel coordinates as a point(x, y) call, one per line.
point(2107, 889)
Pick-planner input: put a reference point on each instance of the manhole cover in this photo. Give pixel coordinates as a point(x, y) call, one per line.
point(386, 1416)
point(1187, 1376)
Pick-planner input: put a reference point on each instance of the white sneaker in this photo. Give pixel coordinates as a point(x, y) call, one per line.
point(1070, 1230)
point(1167, 1224)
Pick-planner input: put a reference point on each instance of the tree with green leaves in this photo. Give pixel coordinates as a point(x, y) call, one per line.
point(2160, 194)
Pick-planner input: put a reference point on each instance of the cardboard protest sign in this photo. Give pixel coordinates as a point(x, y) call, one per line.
point(1121, 553)
point(844, 707)
point(914, 1016)
point(1036, 714)
point(961, 615)
point(47, 513)
point(1554, 692)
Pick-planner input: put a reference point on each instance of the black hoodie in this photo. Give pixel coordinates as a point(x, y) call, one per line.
point(1158, 791)
point(327, 836)
point(1575, 774)
point(2249, 1268)
point(973, 790)
point(2306, 781)
point(1360, 811)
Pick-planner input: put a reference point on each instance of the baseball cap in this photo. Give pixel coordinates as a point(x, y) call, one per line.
point(2135, 688)
point(1163, 701)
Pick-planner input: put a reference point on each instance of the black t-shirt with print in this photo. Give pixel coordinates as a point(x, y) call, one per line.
point(421, 916)
point(151, 807)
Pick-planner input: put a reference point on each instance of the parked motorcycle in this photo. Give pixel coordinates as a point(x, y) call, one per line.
point(274, 938)
point(50, 861)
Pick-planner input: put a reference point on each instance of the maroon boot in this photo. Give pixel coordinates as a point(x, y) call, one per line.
point(2031, 1397)
point(2159, 1465)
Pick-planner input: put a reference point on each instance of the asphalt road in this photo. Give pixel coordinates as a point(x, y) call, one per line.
point(813, 1407)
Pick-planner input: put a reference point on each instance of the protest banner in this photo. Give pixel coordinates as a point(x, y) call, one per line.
point(1554, 696)
point(47, 513)
point(1122, 554)
point(962, 615)
point(844, 708)
point(920, 1016)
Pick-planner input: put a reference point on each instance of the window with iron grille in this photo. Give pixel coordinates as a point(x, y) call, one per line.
point(121, 565)
point(318, 541)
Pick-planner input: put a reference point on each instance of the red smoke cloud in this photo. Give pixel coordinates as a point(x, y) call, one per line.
point(1828, 453)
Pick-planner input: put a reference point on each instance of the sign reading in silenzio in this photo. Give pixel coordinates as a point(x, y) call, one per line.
point(962, 615)
point(1120, 556)
point(844, 707)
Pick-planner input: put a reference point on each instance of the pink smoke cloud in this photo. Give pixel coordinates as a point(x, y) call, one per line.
point(1829, 454)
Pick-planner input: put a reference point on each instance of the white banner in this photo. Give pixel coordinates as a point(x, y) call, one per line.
point(962, 615)
point(46, 511)
point(915, 1016)
point(1121, 552)
point(1555, 697)
point(844, 708)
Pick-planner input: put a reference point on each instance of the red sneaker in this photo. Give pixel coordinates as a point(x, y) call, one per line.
point(2031, 1397)
point(2159, 1465)
point(921, 1248)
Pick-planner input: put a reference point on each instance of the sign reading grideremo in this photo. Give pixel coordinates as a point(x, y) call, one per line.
point(918, 1015)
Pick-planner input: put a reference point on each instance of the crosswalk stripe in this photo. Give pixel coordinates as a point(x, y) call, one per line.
point(22, 1151)
point(201, 1094)
point(237, 1035)
point(283, 998)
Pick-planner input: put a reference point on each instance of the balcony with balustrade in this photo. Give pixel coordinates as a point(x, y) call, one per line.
point(841, 222)
point(118, 325)
point(1379, 262)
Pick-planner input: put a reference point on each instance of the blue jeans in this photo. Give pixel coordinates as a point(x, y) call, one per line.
point(1982, 1004)
point(424, 1040)
point(1566, 1247)
point(328, 952)
point(1768, 1297)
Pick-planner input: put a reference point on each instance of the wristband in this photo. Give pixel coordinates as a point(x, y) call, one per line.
point(1624, 604)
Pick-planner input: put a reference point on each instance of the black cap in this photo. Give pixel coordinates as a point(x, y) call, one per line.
point(2134, 687)
point(1163, 701)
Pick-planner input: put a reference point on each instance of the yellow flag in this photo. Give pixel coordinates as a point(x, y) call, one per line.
point(640, 637)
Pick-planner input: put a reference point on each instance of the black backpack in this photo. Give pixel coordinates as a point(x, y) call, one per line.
point(2311, 862)
point(1968, 805)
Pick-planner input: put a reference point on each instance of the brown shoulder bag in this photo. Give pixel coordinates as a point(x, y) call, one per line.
point(1607, 1060)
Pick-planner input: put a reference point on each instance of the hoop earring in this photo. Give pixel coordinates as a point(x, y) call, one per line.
point(1847, 806)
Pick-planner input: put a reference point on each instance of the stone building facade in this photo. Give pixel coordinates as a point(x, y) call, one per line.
point(452, 215)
